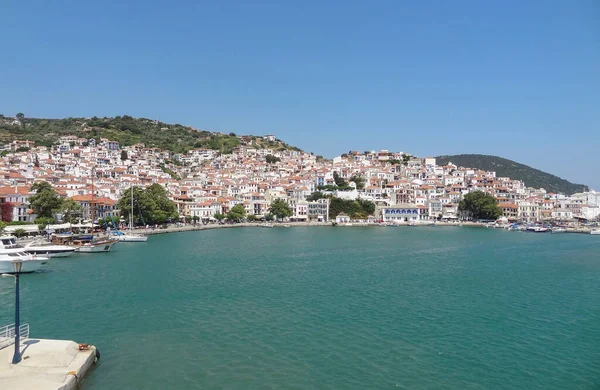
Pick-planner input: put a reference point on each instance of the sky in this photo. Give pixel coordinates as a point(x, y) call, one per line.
point(517, 79)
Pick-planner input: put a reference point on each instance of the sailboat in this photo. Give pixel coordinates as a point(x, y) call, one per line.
point(129, 236)
point(94, 246)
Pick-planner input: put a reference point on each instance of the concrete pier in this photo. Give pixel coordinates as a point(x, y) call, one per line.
point(46, 365)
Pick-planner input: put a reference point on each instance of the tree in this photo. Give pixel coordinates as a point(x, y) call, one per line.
point(45, 202)
point(195, 218)
point(252, 218)
point(480, 205)
point(20, 115)
point(359, 181)
point(270, 159)
point(269, 217)
point(20, 233)
point(7, 211)
point(280, 209)
point(339, 181)
point(150, 205)
point(2, 226)
point(219, 217)
point(188, 219)
point(70, 210)
point(124, 155)
point(353, 208)
point(315, 196)
point(42, 222)
point(36, 161)
point(237, 213)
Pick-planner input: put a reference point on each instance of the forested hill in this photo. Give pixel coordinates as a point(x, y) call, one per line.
point(507, 168)
point(128, 131)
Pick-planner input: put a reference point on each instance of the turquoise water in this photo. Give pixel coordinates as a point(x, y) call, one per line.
point(329, 308)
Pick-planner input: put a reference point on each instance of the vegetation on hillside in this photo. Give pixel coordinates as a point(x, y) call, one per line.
point(128, 131)
point(507, 168)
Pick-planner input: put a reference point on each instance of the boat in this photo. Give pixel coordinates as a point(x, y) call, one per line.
point(84, 242)
point(48, 249)
point(122, 236)
point(558, 230)
point(10, 251)
point(129, 236)
point(595, 232)
point(540, 229)
point(97, 246)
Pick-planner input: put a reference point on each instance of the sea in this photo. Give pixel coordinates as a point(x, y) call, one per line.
point(328, 308)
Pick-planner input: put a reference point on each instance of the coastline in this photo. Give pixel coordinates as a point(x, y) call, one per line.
point(192, 227)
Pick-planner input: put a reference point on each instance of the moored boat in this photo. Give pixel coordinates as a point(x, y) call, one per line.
point(97, 246)
point(558, 230)
point(48, 249)
point(595, 232)
point(84, 243)
point(122, 236)
point(11, 252)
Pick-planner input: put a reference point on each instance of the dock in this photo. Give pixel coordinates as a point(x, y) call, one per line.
point(46, 365)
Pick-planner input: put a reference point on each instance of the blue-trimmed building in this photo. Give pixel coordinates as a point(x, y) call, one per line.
point(400, 212)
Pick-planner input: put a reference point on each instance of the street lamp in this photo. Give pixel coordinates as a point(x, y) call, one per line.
point(17, 266)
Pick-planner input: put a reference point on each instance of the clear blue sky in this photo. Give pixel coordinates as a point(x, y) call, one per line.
point(519, 79)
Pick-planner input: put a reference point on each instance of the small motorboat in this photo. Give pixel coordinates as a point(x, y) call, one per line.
point(557, 230)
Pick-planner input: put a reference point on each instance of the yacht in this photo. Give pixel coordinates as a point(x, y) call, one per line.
point(48, 249)
point(127, 236)
point(595, 232)
point(10, 251)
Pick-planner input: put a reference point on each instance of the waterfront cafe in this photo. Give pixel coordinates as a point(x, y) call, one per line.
point(399, 213)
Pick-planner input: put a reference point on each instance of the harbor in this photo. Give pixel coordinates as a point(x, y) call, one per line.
point(256, 307)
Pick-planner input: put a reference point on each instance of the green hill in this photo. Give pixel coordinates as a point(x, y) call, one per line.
point(128, 131)
point(507, 168)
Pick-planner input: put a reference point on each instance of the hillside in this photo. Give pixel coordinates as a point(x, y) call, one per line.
point(128, 131)
point(507, 168)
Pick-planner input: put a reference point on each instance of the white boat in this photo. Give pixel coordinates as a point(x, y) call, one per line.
point(595, 232)
point(48, 249)
point(540, 229)
point(128, 237)
point(96, 246)
point(10, 251)
point(558, 230)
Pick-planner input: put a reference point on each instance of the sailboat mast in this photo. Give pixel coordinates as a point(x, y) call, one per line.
point(131, 212)
point(92, 201)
